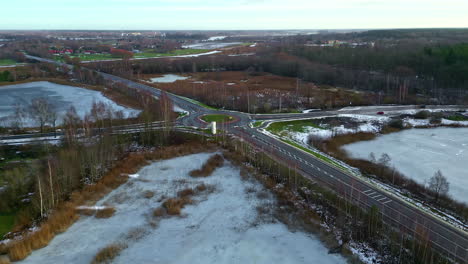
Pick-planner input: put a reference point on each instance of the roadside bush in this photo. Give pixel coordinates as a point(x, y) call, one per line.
point(422, 114)
point(396, 123)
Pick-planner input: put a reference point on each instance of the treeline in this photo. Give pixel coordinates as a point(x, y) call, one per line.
point(444, 66)
point(407, 72)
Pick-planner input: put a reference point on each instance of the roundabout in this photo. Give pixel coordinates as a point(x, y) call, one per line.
point(218, 118)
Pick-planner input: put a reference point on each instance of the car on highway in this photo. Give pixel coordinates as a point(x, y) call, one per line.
point(380, 113)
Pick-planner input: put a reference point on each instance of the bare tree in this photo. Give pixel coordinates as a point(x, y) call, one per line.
point(385, 159)
point(439, 184)
point(52, 118)
point(40, 110)
point(19, 116)
point(71, 122)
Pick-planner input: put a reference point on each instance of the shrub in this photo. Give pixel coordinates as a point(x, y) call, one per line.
point(422, 114)
point(159, 212)
point(175, 205)
point(105, 213)
point(107, 254)
point(396, 123)
point(210, 165)
point(186, 192)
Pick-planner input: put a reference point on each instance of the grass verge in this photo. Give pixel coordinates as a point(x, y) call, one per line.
point(7, 220)
point(7, 62)
point(291, 126)
point(198, 103)
point(217, 118)
point(315, 154)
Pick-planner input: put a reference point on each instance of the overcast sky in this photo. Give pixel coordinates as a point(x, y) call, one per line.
point(232, 14)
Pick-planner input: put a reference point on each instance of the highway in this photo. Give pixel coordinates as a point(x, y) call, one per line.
point(396, 212)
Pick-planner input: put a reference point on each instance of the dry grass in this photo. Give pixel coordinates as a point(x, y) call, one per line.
point(148, 194)
point(86, 211)
point(4, 260)
point(105, 213)
point(210, 165)
point(159, 212)
point(201, 187)
point(175, 205)
point(107, 254)
point(136, 234)
point(186, 192)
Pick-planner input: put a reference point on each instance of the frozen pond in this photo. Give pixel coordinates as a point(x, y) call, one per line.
point(220, 227)
point(60, 96)
point(419, 153)
point(211, 45)
point(168, 78)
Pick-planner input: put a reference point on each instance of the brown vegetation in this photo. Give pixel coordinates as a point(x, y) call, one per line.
point(4, 260)
point(185, 193)
point(175, 205)
point(239, 90)
point(107, 254)
point(105, 213)
point(159, 212)
point(210, 165)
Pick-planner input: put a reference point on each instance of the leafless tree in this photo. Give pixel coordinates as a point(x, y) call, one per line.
point(384, 159)
point(71, 122)
point(19, 116)
point(40, 110)
point(438, 184)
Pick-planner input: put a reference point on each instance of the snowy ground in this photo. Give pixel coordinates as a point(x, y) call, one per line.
point(168, 78)
point(221, 227)
point(418, 153)
point(61, 96)
point(366, 123)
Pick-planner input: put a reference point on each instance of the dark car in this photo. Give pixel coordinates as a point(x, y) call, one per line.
point(380, 113)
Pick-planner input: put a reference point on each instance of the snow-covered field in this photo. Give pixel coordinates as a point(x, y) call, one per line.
point(419, 153)
point(221, 227)
point(168, 78)
point(61, 96)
